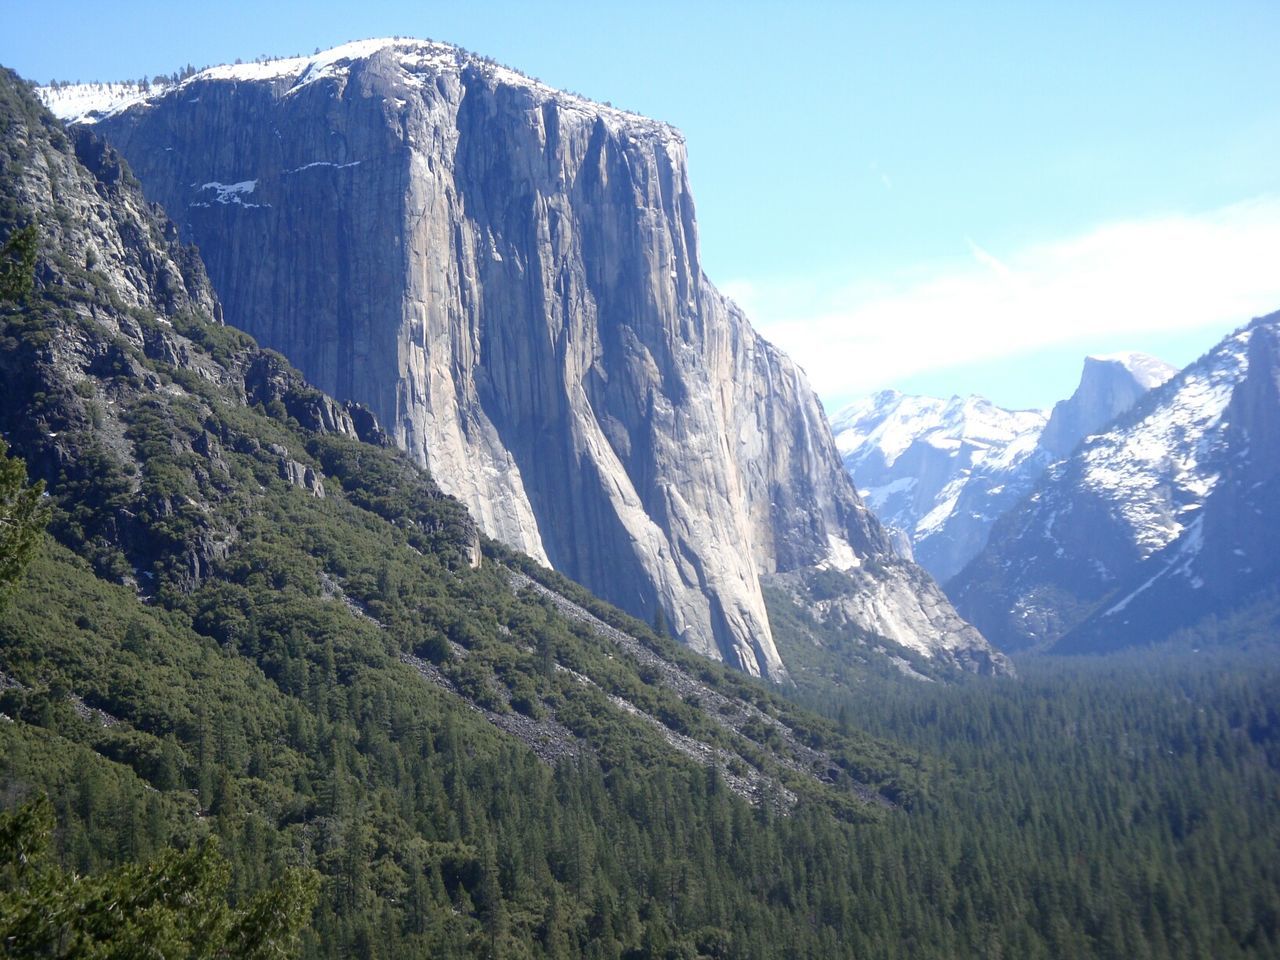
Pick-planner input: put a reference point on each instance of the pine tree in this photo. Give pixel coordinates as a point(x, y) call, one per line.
point(172, 905)
point(18, 264)
point(23, 515)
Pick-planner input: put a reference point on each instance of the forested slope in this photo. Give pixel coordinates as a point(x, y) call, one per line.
point(253, 618)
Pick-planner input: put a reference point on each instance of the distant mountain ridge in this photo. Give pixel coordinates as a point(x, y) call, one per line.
point(924, 463)
point(943, 471)
point(1151, 525)
point(509, 276)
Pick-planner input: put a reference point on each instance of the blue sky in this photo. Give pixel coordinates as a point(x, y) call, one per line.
point(938, 197)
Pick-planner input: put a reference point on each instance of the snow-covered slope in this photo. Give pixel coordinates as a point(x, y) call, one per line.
point(1158, 470)
point(86, 101)
point(943, 471)
point(938, 470)
point(1127, 499)
point(1224, 559)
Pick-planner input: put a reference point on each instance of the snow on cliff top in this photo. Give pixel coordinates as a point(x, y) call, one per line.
point(89, 102)
point(1149, 371)
point(77, 101)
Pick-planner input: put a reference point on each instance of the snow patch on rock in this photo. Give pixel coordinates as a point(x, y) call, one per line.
point(1156, 468)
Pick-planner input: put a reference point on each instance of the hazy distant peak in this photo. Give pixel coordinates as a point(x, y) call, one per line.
point(1147, 370)
point(1109, 385)
point(943, 471)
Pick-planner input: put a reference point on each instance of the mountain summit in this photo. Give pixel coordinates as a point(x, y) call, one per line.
point(939, 470)
point(1151, 525)
point(1109, 385)
point(509, 276)
point(943, 471)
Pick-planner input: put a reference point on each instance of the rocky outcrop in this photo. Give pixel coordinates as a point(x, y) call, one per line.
point(1224, 557)
point(268, 379)
point(298, 474)
point(1109, 386)
point(1129, 501)
point(944, 471)
point(509, 277)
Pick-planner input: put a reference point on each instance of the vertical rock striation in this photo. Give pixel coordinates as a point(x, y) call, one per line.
point(509, 276)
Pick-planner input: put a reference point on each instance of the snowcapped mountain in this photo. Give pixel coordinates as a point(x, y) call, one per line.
point(939, 471)
point(943, 471)
point(1113, 545)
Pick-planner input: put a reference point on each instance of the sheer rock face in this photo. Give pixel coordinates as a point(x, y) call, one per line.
point(509, 276)
point(1109, 386)
point(119, 306)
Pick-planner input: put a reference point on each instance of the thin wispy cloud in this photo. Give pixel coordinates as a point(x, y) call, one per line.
point(988, 259)
point(1168, 273)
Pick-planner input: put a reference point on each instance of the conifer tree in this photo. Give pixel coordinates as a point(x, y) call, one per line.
point(18, 264)
point(23, 515)
point(171, 906)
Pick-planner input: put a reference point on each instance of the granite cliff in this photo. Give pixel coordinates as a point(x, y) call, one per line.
point(509, 277)
point(1109, 385)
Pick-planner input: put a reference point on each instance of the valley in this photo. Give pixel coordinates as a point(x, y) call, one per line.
point(415, 554)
